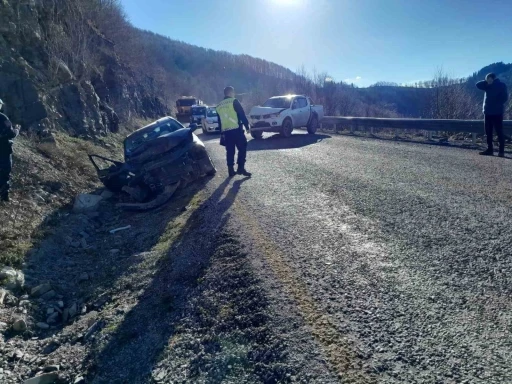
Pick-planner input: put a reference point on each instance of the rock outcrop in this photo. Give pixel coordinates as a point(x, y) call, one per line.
point(42, 92)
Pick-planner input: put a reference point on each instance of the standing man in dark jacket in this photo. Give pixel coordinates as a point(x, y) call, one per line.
point(231, 123)
point(7, 133)
point(496, 96)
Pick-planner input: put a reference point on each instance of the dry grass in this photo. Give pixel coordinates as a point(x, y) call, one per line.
point(45, 181)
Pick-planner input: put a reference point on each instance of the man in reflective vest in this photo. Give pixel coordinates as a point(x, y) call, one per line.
point(231, 121)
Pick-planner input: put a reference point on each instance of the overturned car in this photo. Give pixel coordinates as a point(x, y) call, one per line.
point(159, 158)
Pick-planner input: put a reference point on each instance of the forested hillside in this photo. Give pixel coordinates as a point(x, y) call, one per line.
point(79, 65)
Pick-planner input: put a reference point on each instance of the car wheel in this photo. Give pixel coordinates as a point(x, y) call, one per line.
point(287, 128)
point(313, 125)
point(257, 135)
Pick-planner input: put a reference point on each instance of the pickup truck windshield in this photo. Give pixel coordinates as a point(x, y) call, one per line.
point(278, 102)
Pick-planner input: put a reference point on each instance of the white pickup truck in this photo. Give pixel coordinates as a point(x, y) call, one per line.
point(284, 113)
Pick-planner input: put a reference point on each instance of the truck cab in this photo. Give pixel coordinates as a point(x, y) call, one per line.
point(197, 113)
point(284, 113)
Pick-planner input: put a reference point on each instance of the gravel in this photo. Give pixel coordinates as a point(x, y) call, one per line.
point(404, 249)
point(343, 259)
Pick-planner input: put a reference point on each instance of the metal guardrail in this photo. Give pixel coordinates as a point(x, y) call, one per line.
point(431, 125)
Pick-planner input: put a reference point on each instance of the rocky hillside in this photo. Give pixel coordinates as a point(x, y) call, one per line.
point(54, 76)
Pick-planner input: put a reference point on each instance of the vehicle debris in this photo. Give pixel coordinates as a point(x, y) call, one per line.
point(159, 158)
point(120, 229)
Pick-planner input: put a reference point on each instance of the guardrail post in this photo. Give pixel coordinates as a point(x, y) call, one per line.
point(429, 135)
point(474, 138)
point(371, 131)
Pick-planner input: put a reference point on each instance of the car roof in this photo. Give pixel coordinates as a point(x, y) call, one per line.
point(287, 96)
point(152, 126)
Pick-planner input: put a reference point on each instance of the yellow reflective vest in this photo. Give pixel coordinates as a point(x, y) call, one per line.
point(227, 115)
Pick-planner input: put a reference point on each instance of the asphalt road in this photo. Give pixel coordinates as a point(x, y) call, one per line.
point(397, 256)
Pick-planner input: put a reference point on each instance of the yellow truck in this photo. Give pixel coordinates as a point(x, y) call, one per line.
point(185, 103)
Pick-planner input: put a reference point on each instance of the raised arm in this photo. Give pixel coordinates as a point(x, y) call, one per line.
point(482, 85)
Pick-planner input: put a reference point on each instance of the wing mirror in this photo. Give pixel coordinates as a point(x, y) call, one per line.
point(193, 127)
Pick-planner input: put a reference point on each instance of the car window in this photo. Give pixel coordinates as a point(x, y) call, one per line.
point(302, 102)
point(295, 104)
point(137, 139)
point(212, 113)
point(310, 101)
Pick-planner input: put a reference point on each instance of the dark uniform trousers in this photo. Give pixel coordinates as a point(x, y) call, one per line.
point(5, 170)
point(235, 139)
point(494, 123)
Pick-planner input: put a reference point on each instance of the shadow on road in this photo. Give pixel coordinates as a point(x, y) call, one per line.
point(280, 142)
point(137, 344)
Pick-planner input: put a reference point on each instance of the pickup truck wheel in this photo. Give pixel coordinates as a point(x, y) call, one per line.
point(257, 135)
point(287, 128)
point(313, 125)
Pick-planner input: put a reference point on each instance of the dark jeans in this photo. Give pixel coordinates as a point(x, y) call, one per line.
point(235, 139)
point(5, 172)
point(494, 122)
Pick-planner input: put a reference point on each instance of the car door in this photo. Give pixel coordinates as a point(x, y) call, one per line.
point(296, 113)
point(303, 112)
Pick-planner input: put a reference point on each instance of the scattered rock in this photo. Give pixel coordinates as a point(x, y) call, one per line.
point(3, 326)
point(79, 380)
point(83, 277)
point(41, 290)
point(96, 326)
point(65, 315)
point(73, 310)
point(49, 295)
point(51, 368)
point(12, 278)
point(3, 293)
point(86, 202)
point(46, 378)
point(50, 310)
point(43, 325)
point(114, 251)
point(19, 325)
point(106, 194)
point(53, 318)
point(83, 243)
point(7, 272)
point(60, 304)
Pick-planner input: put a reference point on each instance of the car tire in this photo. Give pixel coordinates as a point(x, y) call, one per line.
point(257, 135)
point(287, 128)
point(313, 125)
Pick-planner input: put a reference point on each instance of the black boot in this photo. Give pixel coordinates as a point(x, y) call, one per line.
point(242, 171)
point(231, 171)
point(487, 152)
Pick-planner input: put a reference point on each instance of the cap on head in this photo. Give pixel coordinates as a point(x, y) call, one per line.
point(490, 76)
point(229, 91)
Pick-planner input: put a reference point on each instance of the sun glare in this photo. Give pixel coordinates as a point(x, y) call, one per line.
point(286, 2)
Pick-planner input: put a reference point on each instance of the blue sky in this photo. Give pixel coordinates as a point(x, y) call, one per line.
point(363, 41)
